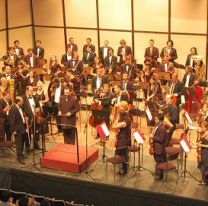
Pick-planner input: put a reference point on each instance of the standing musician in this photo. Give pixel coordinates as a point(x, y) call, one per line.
point(103, 51)
point(88, 57)
point(88, 44)
point(110, 62)
point(21, 81)
point(11, 58)
point(159, 143)
point(68, 107)
point(203, 143)
point(5, 106)
point(200, 69)
point(17, 123)
point(75, 64)
point(151, 54)
point(123, 51)
point(30, 107)
point(38, 50)
point(31, 59)
point(72, 45)
point(99, 80)
point(18, 50)
point(66, 57)
point(123, 141)
point(190, 57)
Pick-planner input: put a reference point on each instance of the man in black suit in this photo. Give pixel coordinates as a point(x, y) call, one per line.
point(89, 57)
point(110, 62)
point(119, 95)
point(5, 105)
point(68, 107)
point(72, 45)
point(31, 59)
point(123, 51)
point(159, 144)
point(99, 80)
point(18, 127)
point(30, 107)
point(38, 50)
point(75, 64)
point(67, 57)
point(8, 73)
point(19, 51)
point(190, 58)
point(151, 54)
point(88, 44)
point(11, 59)
point(168, 53)
point(104, 51)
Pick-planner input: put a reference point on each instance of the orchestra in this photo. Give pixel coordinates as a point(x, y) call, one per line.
point(113, 84)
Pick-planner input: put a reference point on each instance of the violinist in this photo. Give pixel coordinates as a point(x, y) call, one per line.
point(68, 108)
point(97, 64)
point(123, 125)
point(54, 66)
point(31, 79)
point(203, 143)
point(75, 64)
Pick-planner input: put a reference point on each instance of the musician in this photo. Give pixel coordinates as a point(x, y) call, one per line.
point(88, 57)
point(128, 68)
point(18, 50)
point(54, 66)
point(4, 86)
point(21, 82)
point(68, 107)
point(123, 51)
point(128, 86)
point(31, 79)
point(159, 144)
point(18, 127)
point(110, 61)
point(119, 95)
point(203, 164)
point(8, 73)
point(168, 53)
point(176, 88)
point(31, 59)
point(39, 94)
point(123, 124)
point(200, 69)
point(11, 58)
point(151, 54)
point(75, 64)
point(38, 50)
point(55, 91)
point(72, 45)
point(103, 51)
point(99, 80)
point(190, 57)
point(88, 44)
point(5, 105)
point(67, 57)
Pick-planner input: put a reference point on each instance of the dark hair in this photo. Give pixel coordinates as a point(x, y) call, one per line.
point(23, 201)
point(5, 195)
point(16, 41)
point(194, 49)
point(89, 39)
point(17, 99)
point(171, 41)
point(152, 40)
point(11, 47)
point(160, 116)
point(38, 41)
point(111, 50)
point(29, 49)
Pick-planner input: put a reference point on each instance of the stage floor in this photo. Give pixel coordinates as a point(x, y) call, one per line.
point(142, 180)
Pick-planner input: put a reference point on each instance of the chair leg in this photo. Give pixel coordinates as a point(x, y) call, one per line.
point(106, 167)
point(114, 170)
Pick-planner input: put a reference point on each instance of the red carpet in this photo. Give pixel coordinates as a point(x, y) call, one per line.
point(64, 157)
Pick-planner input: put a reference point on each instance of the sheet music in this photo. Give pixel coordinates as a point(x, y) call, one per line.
point(188, 119)
point(138, 137)
point(183, 99)
point(149, 115)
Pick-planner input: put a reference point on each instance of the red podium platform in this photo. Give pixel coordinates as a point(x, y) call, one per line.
point(64, 157)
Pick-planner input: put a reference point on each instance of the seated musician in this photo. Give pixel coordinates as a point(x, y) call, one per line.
point(203, 163)
point(176, 88)
point(159, 143)
point(88, 44)
point(8, 73)
point(110, 62)
point(32, 79)
point(103, 51)
point(128, 86)
point(75, 64)
point(88, 57)
point(67, 57)
point(168, 55)
point(31, 59)
point(119, 95)
point(99, 80)
point(38, 50)
point(68, 108)
point(97, 64)
point(18, 50)
point(123, 51)
point(151, 54)
point(11, 58)
point(190, 57)
point(54, 66)
point(129, 68)
point(5, 105)
point(200, 69)
point(123, 124)
point(72, 45)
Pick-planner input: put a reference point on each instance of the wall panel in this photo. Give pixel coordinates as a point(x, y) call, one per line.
point(2, 45)
point(2, 14)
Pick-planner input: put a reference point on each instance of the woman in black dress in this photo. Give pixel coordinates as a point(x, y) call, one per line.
point(123, 125)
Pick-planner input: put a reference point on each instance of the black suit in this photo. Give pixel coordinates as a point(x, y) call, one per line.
point(129, 86)
point(172, 54)
point(34, 60)
point(21, 52)
point(41, 52)
point(65, 61)
point(151, 56)
point(73, 47)
point(85, 48)
point(4, 121)
point(127, 52)
point(188, 61)
point(101, 53)
point(78, 64)
point(111, 61)
point(130, 69)
point(104, 80)
point(17, 125)
point(90, 59)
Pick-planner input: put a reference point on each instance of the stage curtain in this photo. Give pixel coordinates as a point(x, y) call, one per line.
point(151, 15)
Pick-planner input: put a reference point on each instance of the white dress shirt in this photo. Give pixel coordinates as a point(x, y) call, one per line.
point(57, 94)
